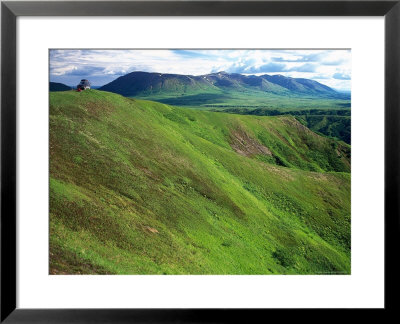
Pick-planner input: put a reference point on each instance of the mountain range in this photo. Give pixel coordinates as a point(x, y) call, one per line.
point(145, 84)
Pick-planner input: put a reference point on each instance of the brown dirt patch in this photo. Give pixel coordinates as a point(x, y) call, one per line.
point(150, 229)
point(245, 145)
point(89, 136)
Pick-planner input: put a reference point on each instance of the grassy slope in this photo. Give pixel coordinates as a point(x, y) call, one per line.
point(142, 187)
point(335, 123)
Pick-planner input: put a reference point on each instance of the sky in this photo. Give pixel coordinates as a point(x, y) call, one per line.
point(330, 67)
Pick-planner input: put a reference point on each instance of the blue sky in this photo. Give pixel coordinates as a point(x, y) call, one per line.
point(330, 67)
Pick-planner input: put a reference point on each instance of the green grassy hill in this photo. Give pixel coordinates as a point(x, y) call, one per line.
point(139, 187)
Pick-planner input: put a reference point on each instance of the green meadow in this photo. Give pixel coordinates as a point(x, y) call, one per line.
point(143, 187)
point(232, 98)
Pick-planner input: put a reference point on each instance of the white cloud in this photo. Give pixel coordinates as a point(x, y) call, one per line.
point(103, 66)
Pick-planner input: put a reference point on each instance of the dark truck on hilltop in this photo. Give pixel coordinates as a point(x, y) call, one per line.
point(83, 85)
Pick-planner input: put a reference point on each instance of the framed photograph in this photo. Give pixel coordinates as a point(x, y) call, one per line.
point(197, 161)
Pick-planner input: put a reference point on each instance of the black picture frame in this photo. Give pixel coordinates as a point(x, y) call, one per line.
point(11, 10)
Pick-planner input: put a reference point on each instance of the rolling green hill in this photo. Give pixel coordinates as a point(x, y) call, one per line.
point(139, 187)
